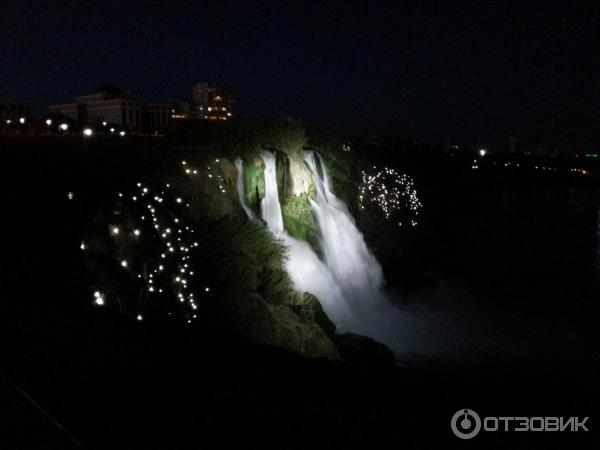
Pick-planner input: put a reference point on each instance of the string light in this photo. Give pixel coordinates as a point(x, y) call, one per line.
point(390, 192)
point(161, 264)
point(98, 298)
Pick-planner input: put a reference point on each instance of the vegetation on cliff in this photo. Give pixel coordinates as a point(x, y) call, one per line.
point(176, 243)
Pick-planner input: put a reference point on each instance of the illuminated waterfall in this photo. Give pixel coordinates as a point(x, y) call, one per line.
point(355, 268)
point(270, 206)
point(240, 188)
point(349, 281)
point(306, 270)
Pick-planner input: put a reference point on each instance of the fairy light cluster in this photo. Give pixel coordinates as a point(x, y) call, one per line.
point(214, 173)
point(579, 171)
point(391, 193)
point(160, 249)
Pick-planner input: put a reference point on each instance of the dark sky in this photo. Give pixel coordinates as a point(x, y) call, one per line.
point(447, 71)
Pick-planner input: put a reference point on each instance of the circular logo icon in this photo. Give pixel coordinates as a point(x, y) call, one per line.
point(465, 423)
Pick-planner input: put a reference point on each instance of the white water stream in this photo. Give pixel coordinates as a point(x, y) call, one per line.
point(349, 282)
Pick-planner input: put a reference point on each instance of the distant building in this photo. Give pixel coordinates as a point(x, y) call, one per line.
point(109, 104)
point(155, 116)
point(212, 102)
point(72, 111)
point(179, 109)
point(13, 114)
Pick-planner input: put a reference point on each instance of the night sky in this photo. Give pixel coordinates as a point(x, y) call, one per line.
point(448, 72)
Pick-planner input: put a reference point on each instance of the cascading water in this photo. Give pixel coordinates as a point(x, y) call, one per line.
point(349, 282)
point(354, 268)
point(240, 188)
point(270, 206)
point(306, 270)
point(346, 253)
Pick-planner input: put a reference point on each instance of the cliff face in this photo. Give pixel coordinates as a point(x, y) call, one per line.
point(250, 293)
point(300, 178)
point(277, 325)
point(299, 324)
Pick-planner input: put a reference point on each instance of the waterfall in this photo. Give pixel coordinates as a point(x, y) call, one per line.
point(270, 206)
point(346, 253)
point(240, 188)
point(349, 281)
point(354, 268)
point(306, 270)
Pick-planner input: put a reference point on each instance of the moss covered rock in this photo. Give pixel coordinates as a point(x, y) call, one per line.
point(298, 218)
point(307, 306)
point(300, 178)
point(254, 183)
point(275, 325)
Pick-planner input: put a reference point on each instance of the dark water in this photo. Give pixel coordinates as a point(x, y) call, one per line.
point(516, 277)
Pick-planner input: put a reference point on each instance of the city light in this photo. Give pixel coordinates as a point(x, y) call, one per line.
point(64, 126)
point(482, 152)
point(122, 133)
point(88, 132)
point(22, 120)
point(48, 122)
point(98, 298)
point(8, 122)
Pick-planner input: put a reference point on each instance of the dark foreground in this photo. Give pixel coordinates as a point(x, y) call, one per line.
point(115, 384)
point(72, 376)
